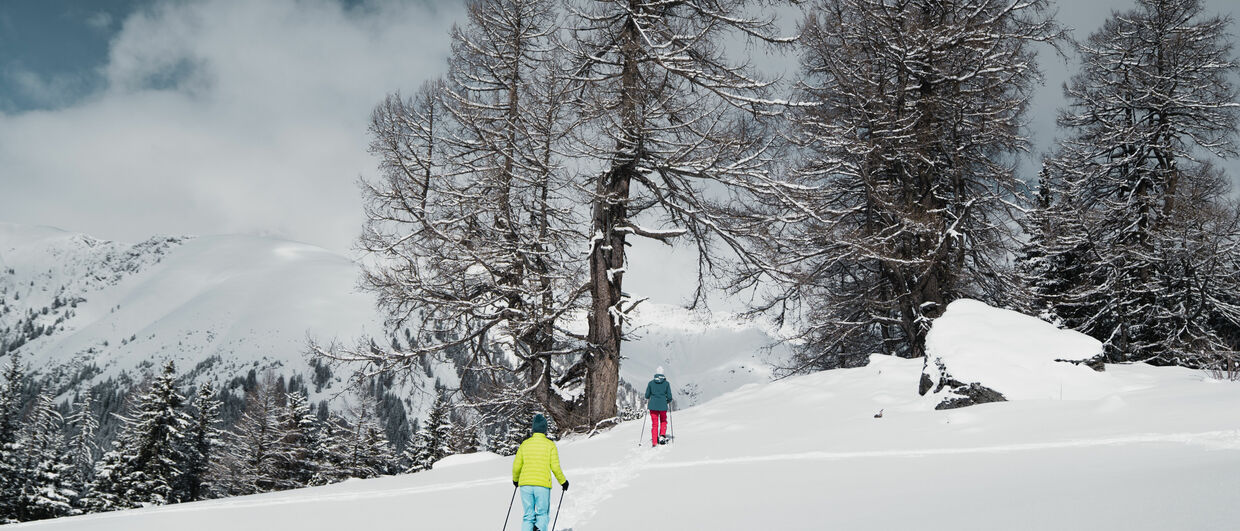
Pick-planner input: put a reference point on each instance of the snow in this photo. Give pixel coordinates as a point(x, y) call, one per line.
point(466, 459)
point(1016, 354)
point(807, 453)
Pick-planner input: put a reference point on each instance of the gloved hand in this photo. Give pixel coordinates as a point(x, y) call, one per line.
point(514, 483)
point(565, 484)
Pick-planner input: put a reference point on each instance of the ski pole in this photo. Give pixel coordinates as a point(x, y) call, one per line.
point(509, 513)
point(643, 432)
point(671, 428)
point(557, 509)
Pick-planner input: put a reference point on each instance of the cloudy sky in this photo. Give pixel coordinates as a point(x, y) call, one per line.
point(128, 118)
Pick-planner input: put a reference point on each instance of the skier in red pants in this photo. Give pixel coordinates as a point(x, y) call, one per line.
point(658, 398)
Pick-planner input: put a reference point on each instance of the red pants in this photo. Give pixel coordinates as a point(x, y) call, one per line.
point(658, 426)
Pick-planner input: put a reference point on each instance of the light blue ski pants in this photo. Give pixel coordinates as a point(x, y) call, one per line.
point(537, 503)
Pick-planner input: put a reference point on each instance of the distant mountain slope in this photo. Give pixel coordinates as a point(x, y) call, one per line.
point(218, 304)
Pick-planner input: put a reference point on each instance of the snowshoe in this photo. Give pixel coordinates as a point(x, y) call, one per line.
point(662, 439)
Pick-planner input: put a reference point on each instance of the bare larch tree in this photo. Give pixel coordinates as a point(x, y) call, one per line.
point(472, 228)
point(667, 121)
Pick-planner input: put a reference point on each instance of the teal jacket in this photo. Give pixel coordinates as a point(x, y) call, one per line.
point(658, 393)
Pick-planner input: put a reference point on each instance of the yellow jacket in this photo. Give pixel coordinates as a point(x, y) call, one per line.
point(536, 460)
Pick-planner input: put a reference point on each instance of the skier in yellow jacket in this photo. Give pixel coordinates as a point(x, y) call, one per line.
point(536, 460)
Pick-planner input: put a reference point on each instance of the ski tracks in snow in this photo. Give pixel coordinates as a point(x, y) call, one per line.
point(604, 483)
point(1214, 440)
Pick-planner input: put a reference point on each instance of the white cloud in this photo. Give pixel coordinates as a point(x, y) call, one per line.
point(223, 116)
point(100, 21)
point(34, 86)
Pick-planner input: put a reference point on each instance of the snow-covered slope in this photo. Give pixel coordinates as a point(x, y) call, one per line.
point(808, 453)
point(216, 305)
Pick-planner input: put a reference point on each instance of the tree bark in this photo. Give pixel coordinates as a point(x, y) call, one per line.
point(603, 376)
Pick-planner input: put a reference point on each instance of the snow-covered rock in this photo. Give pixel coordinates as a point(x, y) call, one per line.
point(976, 353)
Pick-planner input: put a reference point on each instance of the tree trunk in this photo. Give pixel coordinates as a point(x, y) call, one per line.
point(607, 253)
point(566, 414)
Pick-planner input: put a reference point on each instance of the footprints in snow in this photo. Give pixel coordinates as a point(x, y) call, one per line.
point(605, 482)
